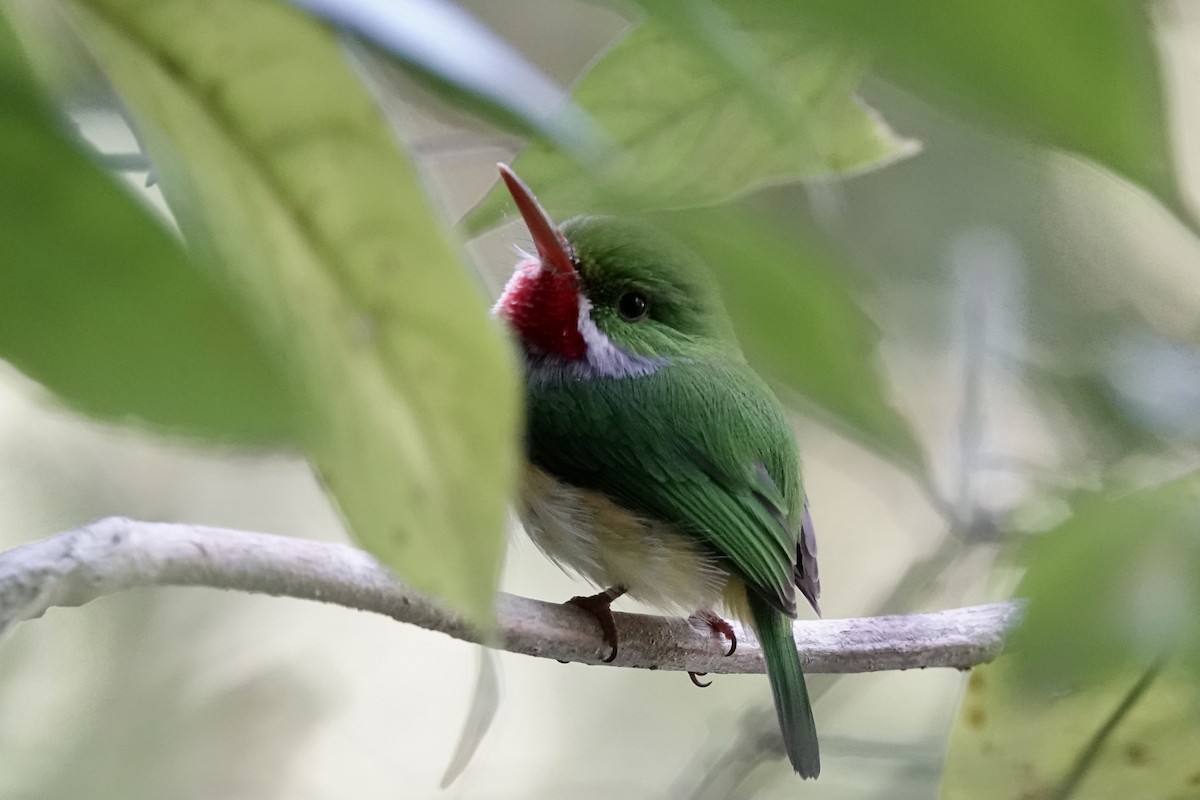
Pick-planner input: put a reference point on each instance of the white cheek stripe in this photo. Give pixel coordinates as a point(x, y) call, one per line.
point(606, 359)
point(603, 358)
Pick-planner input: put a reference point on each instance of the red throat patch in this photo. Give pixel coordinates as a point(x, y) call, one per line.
point(542, 305)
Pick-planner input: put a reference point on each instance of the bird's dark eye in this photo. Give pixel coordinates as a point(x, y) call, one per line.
point(633, 306)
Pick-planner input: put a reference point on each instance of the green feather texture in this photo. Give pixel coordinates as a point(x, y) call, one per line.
point(787, 685)
point(700, 444)
point(698, 441)
point(618, 255)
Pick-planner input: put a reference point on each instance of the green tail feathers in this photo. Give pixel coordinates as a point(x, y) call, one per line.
point(787, 685)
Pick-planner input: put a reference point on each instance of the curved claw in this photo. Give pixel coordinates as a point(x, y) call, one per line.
point(600, 607)
point(695, 679)
point(720, 626)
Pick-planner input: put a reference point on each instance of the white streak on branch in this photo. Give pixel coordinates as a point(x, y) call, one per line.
point(117, 554)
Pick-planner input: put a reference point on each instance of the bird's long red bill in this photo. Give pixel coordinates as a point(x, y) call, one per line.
point(553, 248)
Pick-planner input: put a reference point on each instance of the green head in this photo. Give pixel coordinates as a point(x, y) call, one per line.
point(610, 296)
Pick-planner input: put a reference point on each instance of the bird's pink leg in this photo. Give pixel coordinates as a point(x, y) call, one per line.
point(719, 626)
point(600, 607)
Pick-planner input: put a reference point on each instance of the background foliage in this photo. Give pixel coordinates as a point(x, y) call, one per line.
point(958, 238)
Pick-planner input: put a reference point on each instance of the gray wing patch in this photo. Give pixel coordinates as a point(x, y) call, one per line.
point(808, 580)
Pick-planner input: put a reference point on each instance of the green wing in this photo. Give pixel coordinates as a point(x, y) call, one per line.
point(704, 446)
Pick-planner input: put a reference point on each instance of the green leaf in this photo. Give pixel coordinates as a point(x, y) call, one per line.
point(1014, 741)
point(322, 230)
point(1114, 584)
point(689, 134)
point(798, 321)
point(98, 301)
point(1080, 75)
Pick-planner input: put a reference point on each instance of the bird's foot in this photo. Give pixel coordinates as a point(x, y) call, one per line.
point(600, 607)
point(718, 626)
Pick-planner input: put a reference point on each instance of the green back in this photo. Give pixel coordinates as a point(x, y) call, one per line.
point(701, 443)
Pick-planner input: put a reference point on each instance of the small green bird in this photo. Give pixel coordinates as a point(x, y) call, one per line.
point(659, 464)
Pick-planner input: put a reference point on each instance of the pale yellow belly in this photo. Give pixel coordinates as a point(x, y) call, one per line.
point(587, 534)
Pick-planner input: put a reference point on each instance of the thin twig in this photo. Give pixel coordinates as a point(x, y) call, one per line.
point(971, 421)
point(118, 554)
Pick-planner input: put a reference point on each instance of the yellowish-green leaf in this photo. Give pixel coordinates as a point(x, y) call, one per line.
point(689, 134)
point(1114, 584)
point(320, 227)
point(1017, 742)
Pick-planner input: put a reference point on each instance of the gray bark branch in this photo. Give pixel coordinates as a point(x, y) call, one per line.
point(117, 554)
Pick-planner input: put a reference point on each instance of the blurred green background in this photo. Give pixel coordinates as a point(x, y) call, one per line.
point(990, 341)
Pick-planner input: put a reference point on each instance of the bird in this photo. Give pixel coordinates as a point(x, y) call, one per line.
point(658, 464)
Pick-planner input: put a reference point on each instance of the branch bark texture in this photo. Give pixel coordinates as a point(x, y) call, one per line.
point(117, 554)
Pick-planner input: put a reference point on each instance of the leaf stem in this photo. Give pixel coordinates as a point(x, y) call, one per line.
point(1088, 755)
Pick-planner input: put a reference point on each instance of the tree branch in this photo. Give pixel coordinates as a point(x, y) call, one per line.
point(116, 554)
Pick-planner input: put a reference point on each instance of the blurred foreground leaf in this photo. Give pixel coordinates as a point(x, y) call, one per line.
point(690, 134)
point(1016, 742)
point(1081, 75)
point(98, 301)
point(321, 228)
point(1114, 584)
point(798, 321)
point(443, 45)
